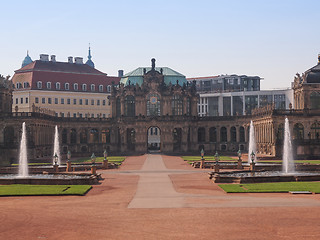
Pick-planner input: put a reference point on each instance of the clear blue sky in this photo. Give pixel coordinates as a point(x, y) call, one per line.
point(272, 39)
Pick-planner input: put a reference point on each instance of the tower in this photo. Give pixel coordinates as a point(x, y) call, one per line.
point(89, 62)
point(27, 60)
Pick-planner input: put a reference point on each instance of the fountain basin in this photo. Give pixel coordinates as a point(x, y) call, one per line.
point(263, 176)
point(50, 179)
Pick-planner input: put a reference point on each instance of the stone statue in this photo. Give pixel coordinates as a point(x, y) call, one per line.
point(153, 64)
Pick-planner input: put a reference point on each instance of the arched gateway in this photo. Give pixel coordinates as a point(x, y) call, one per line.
point(154, 139)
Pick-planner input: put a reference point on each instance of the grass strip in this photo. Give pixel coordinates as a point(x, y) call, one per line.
point(271, 187)
point(38, 190)
point(113, 159)
point(207, 158)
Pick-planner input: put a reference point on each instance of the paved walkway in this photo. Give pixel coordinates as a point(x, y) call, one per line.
point(155, 190)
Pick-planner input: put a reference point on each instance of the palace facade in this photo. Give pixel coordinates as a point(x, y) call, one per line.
point(155, 109)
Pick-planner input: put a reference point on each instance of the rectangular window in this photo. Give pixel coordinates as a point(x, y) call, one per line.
point(27, 100)
point(49, 100)
point(92, 102)
point(56, 101)
point(62, 100)
point(103, 102)
point(98, 102)
point(237, 105)
point(62, 114)
point(104, 115)
point(68, 101)
point(17, 100)
point(74, 115)
point(226, 106)
point(87, 101)
point(80, 115)
point(80, 101)
point(37, 100)
point(92, 115)
point(74, 101)
point(21, 100)
point(43, 100)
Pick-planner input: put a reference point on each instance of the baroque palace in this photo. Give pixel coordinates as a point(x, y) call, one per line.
point(152, 108)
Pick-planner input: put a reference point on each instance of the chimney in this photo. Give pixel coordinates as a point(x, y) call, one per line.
point(78, 60)
point(44, 57)
point(120, 73)
point(70, 59)
point(53, 58)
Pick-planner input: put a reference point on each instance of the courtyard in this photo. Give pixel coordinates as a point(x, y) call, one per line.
point(160, 197)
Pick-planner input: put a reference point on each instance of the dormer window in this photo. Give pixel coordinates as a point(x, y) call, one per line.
point(66, 86)
point(57, 86)
point(100, 88)
point(75, 86)
point(93, 87)
point(25, 85)
point(48, 85)
point(109, 88)
point(84, 87)
point(39, 85)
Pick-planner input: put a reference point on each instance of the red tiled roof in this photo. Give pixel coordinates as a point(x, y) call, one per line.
point(63, 73)
point(202, 78)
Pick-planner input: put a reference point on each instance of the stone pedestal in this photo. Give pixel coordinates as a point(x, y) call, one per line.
point(252, 166)
point(239, 166)
point(93, 169)
point(56, 168)
point(216, 167)
point(202, 163)
point(69, 168)
point(105, 164)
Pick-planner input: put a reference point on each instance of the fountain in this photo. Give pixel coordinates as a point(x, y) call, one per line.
point(287, 159)
point(45, 178)
point(56, 147)
point(273, 174)
point(23, 155)
point(252, 143)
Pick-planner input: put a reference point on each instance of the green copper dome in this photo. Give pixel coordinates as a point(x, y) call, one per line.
point(170, 76)
point(27, 60)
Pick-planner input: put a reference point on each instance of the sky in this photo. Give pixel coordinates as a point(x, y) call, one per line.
point(273, 39)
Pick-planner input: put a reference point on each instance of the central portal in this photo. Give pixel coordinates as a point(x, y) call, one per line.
point(154, 136)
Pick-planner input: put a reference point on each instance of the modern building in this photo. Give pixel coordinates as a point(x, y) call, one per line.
point(231, 95)
point(66, 89)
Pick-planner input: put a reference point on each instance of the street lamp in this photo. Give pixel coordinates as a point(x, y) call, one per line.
point(252, 156)
point(105, 154)
point(216, 157)
point(69, 155)
point(239, 154)
point(55, 157)
point(93, 159)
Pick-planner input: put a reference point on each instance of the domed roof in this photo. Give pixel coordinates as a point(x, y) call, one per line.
point(89, 62)
point(170, 76)
point(27, 60)
point(313, 74)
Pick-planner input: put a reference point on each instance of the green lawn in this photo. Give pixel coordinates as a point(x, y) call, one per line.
point(37, 190)
point(271, 187)
point(32, 164)
point(113, 159)
point(191, 159)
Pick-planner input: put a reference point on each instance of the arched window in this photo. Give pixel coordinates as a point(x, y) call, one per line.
point(106, 136)
point(8, 136)
point(48, 85)
point(153, 105)
point(223, 134)
point(75, 87)
point(241, 134)
point(233, 134)
point(93, 87)
point(83, 136)
point(73, 136)
point(64, 136)
point(129, 106)
point(212, 134)
point(201, 135)
point(100, 88)
point(280, 133)
point(315, 100)
point(315, 130)
point(109, 88)
point(39, 85)
point(66, 86)
point(177, 105)
point(94, 136)
point(298, 131)
point(84, 87)
point(57, 86)
point(25, 85)
point(131, 138)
